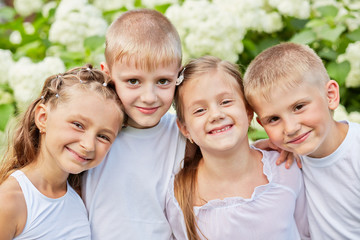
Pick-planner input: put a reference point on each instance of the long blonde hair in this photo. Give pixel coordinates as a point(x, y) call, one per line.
point(185, 180)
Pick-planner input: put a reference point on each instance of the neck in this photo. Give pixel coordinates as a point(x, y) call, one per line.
point(230, 166)
point(50, 181)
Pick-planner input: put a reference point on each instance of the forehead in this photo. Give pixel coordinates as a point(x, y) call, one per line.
point(281, 99)
point(209, 85)
point(125, 68)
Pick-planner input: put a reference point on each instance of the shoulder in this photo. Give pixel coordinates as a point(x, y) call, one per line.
point(13, 211)
point(287, 178)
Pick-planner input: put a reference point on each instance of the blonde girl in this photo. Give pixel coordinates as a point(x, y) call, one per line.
point(228, 189)
point(68, 129)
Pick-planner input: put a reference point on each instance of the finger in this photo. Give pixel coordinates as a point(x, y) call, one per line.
point(289, 160)
point(282, 157)
point(298, 160)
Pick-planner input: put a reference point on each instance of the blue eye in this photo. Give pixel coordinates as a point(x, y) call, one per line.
point(273, 119)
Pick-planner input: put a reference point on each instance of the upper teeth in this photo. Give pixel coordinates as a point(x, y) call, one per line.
point(221, 130)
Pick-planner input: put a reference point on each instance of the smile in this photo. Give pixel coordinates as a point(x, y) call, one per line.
point(300, 138)
point(215, 131)
point(147, 110)
point(77, 156)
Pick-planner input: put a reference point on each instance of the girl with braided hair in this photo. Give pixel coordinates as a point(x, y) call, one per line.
point(68, 129)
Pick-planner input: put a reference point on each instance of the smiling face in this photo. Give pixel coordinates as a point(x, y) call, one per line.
point(146, 94)
point(214, 111)
point(78, 132)
point(300, 119)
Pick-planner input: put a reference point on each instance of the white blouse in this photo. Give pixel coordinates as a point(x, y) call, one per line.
point(276, 210)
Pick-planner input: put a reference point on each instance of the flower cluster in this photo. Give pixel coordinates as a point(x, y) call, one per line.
point(27, 78)
point(352, 55)
point(203, 24)
point(75, 21)
point(6, 62)
point(27, 7)
point(206, 29)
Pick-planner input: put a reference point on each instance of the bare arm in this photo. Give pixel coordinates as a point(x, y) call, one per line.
point(12, 210)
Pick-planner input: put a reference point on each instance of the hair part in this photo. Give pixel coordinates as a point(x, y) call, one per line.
point(286, 66)
point(24, 148)
point(185, 181)
point(145, 37)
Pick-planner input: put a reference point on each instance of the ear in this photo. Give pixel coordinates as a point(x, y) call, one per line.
point(332, 94)
point(250, 114)
point(105, 68)
point(259, 122)
point(41, 113)
point(182, 128)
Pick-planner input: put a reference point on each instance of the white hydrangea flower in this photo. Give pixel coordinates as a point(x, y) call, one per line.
point(75, 21)
point(27, 78)
point(47, 7)
point(352, 55)
point(28, 7)
point(114, 4)
point(294, 8)
point(205, 28)
point(254, 15)
point(6, 62)
point(15, 37)
point(354, 117)
point(340, 113)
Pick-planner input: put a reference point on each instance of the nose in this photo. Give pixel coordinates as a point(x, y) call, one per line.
point(149, 95)
point(291, 126)
point(87, 142)
point(216, 114)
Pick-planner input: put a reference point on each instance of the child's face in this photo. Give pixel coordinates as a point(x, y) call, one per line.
point(299, 119)
point(79, 132)
point(146, 95)
point(215, 114)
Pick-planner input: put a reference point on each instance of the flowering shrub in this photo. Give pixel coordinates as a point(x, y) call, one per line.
point(43, 37)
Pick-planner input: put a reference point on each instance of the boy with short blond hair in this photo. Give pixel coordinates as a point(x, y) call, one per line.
point(288, 87)
point(125, 195)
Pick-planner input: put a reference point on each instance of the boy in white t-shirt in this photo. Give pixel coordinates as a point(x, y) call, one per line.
point(125, 195)
point(288, 87)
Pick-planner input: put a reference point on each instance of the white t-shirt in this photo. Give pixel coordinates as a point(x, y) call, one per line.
point(276, 210)
point(333, 190)
point(125, 194)
point(49, 218)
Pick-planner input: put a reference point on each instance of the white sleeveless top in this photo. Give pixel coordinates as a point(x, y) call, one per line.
point(48, 218)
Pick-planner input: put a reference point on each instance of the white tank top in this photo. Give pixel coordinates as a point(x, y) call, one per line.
point(48, 218)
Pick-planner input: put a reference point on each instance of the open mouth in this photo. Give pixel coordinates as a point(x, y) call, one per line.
point(77, 156)
point(220, 130)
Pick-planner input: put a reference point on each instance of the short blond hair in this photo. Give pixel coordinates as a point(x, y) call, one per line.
point(145, 37)
point(285, 66)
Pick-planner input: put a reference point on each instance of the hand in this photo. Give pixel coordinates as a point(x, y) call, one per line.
point(288, 158)
point(285, 156)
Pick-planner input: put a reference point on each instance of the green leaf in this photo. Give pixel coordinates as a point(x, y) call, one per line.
point(328, 53)
point(162, 8)
point(6, 111)
point(338, 71)
point(257, 134)
point(7, 14)
point(94, 42)
point(331, 34)
point(305, 37)
point(354, 36)
point(328, 11)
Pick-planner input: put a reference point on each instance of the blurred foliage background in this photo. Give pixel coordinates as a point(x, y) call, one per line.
point(39, 38)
